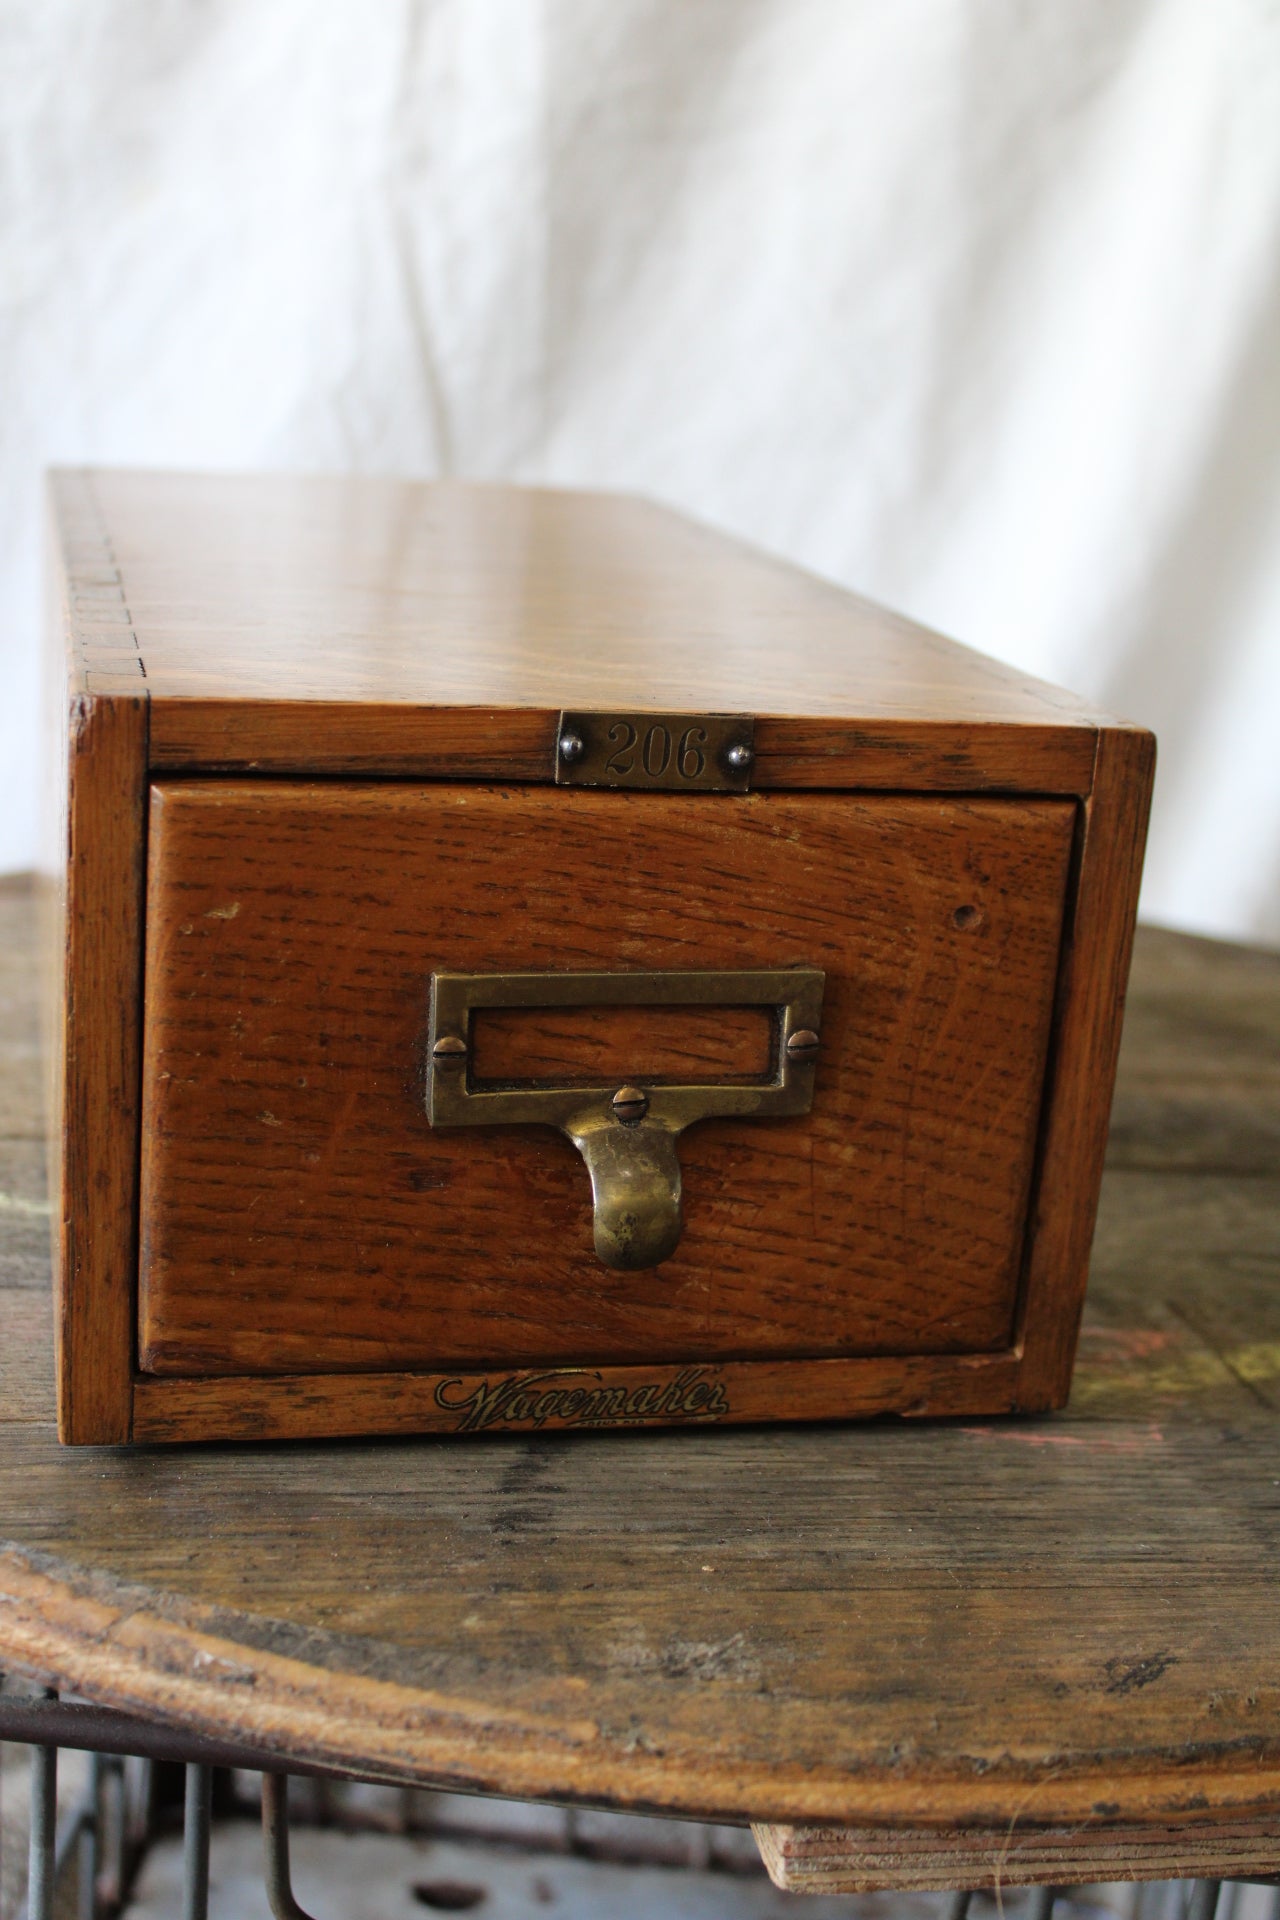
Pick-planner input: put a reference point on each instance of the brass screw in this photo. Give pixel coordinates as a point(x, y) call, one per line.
point(803, 1045)
point(630, 1105)
point(738, 757)
point(572, 747)
point(449, 1051)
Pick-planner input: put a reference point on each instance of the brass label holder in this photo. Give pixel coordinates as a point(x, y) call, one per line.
point(656, 752)
point(626, 1133)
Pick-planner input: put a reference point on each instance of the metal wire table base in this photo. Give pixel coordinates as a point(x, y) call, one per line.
point(49, 1724)
point(51, 1847)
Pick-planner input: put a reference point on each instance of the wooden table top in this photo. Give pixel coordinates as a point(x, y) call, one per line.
point(1071, 1619)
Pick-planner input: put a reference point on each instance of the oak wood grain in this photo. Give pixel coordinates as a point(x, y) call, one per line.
point(192, 734)
point(577, 1046)
point(94, 979)
point(348, 626)
point(92, 911)
point(918, 1631)
point(724, 1393)
point(436, 630)
point(299, 588)
point(1096, 954)
point(299, 1212)
point(96, 1125)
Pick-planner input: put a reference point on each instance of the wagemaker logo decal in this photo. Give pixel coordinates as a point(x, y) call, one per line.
point(578, 1397)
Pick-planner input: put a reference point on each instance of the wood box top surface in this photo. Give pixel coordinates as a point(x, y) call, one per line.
point(288, 589)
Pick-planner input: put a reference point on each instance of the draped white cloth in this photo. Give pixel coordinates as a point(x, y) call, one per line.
point(972, 304)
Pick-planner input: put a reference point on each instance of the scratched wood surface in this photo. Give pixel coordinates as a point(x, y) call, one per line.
point(299, 1214)
point(1011, 1627)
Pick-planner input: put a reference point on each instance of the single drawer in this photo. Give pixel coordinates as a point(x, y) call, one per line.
point(300, 1212)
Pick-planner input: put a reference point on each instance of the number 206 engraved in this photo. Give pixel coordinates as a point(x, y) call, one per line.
point(656, 750)
point(709, 752)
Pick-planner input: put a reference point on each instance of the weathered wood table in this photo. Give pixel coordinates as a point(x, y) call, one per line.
point(914, 1655)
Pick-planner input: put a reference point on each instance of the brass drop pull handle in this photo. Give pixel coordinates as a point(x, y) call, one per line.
point(635, 1186)
point(626, 1134)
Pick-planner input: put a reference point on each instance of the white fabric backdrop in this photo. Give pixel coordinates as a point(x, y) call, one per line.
point(972, 304)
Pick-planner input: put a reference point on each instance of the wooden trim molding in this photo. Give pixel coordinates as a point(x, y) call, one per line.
point(335, 739)
point(536, 1399)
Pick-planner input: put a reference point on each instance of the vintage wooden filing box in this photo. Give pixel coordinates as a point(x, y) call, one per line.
point(533, 962)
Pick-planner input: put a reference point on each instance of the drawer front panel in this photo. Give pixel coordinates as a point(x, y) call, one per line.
point(299, 1213)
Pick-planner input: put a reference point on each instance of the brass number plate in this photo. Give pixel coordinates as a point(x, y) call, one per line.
point(658, 752)
point(627, 1132)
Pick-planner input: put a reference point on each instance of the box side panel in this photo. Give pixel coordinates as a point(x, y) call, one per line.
point(1097, 949)
point(97, 711)
point(96, 1112)
point(51, 875)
